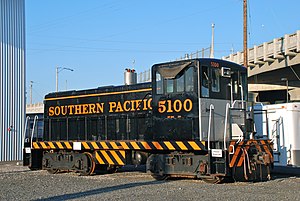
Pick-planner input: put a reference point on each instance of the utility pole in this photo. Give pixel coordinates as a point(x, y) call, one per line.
point(245, 35)
point(212, 40)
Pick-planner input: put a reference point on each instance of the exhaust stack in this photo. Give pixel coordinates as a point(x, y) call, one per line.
point(130, 76)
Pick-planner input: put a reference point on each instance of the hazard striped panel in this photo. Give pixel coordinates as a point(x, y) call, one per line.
point(146, 145)
point(125, 145)
point(238, 151)
point(111, 157)
point(52, 145)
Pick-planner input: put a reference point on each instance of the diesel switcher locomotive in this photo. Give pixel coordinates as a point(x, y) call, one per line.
point(191, 120)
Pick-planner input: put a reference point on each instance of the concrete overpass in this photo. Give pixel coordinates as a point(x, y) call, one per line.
point(274, 67)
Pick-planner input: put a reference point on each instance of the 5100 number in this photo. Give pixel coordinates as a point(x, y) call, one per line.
point(170, 106)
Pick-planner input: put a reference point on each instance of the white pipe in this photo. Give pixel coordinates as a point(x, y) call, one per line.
point(242, 94)
point(211, 107)
point(225, 126)
point(24, 132)
point(35, 118)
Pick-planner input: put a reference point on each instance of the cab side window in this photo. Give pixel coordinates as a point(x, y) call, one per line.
point(180, 83)
point(159, 84)
point(204, 82)
point(215, 80)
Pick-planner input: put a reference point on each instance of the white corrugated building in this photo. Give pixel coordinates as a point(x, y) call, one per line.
point(12, 78)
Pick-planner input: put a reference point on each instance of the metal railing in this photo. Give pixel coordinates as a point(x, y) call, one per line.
point(278, 48)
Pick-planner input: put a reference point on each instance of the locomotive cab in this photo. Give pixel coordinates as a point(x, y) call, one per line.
point(192, 96)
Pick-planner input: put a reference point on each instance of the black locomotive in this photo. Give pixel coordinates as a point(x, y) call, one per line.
point(191, 120)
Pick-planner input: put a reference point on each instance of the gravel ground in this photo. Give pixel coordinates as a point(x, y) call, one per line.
point(19, 183)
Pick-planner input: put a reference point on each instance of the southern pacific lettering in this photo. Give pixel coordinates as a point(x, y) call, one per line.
point(120, 106)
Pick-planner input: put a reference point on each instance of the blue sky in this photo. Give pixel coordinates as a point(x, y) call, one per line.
point(100, 38)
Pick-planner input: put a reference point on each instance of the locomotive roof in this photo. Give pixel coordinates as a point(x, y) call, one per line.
point(186, 63)
point(102, 89)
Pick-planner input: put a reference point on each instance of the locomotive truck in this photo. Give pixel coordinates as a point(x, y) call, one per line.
point(191, 120)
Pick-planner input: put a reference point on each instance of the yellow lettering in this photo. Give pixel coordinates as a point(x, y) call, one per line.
point(145, 104)
point(57, 110)
point(177, 105)
point(51, 111)
point(64, 110)
point(70, 107)
point(77, 109)
point(150, 103)
point(99, 107)
point(92, 108)
point(132, 105)
point(112, 105)
point(169, 103)
point(126, 107)
point(85, 109)
point(119, 107)
point(138, 104)
point(187, 105)
point(162, 106)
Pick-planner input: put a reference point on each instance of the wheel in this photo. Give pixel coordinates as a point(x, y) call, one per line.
point(88, 164)
point(155, 164)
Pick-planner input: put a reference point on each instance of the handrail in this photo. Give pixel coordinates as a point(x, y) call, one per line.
point(225, 125)
point(211, 107)
point(238, 101)
point(34, 121)
point(231, 93)
point(242, 95)
point(24, 132)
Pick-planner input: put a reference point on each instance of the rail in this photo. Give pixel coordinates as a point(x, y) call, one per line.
point(24, 132)
point(211, 109)
point(33, 128)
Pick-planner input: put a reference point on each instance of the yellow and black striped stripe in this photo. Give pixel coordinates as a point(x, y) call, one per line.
point(238, 150)
point(111, 157)
point(124, 145)
point(52, 145)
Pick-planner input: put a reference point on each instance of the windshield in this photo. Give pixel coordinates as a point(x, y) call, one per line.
point(181, 82)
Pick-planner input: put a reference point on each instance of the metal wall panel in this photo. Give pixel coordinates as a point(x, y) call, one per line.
point(12, 78)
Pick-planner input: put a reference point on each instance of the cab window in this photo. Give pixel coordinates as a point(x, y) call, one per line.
point(215, 80)
point(189, 80)
point(180, 83)
point(204, 82)
point(170, 86)
point(159, 84)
